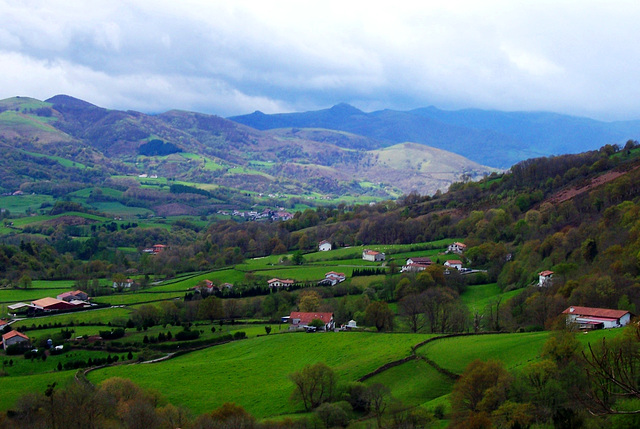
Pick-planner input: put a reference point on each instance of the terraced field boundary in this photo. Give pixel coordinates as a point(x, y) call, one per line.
point(451, 375)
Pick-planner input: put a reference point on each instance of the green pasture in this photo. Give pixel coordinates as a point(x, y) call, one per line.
point(62, 161)
point(222, 373)
point(514, 350)
point(414, 382)
point(23, 367)
point(18, 204)
point(183, 284)
point(12, 296)
point(14, 387)
point(11, 118)
point(86, 192)
point(479, 297)
point(116, 208)
point(207, 163)
point(102, 315)
point(138, 297)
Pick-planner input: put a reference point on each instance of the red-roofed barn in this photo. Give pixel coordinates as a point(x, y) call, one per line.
point(299, 320)
point(597, 318)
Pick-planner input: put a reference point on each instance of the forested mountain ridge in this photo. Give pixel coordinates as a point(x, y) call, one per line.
point(205, 149)
point(494, 138)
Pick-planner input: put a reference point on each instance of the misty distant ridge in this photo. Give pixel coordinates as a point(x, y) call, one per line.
point(489, 137)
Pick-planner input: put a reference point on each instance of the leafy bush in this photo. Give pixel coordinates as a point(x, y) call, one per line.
point(187, 335)
point(112, 334)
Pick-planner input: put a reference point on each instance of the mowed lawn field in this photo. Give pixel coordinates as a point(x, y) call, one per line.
point(254, 373)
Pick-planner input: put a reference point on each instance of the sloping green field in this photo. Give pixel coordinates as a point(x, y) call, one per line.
point(254, 373)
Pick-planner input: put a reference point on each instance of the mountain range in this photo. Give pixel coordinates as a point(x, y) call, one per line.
point(210, 150)
point(494, 138)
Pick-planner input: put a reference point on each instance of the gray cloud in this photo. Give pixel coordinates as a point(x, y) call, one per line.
point(235, 57)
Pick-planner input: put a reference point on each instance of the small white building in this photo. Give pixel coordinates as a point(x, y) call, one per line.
point(545, 278)
point(324, 246)
point(419, 260)
point(372, 255)
point(278, 283)
point(457, 247)
point(597, 318)
point(454, 263)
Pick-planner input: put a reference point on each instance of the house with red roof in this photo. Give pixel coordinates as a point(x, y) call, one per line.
point(73, 295)
point(302, 320)
point(419, 260)
point(457, 247)
point(14, 337)
point(278, 283)
point(597, 318)
point(334, 278)
point(545, 278)
point(372, 255)
point(454, 263)
point(51, 304)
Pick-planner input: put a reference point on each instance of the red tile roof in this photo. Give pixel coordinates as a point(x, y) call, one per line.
point(547, 273)
point(306, 318)
point(14, 334)
point(595, 312)
point(454, 262)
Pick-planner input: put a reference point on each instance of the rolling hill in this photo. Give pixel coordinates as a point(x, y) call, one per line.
point(494, 138)
point(64, 140)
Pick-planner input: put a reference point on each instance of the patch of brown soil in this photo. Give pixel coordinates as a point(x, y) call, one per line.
point(570, 193)
point(175, 209)
point(68, 220)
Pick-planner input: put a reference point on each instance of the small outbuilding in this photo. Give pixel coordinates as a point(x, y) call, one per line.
point(324, 246)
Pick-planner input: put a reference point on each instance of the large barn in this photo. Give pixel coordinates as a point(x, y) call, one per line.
point(597, 318)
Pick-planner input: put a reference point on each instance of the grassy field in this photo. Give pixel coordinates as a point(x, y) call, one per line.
point(515, 350)
point(222, 373)
point(478, 297)
point(414, 383)
point(14, 387)
point(103, 316)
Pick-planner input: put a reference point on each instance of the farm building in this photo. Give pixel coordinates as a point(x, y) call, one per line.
point(126, 284)
point(278, 283)
point(50, 304)
point(372, 255)
point(457, 247)
point(419, 260)
point(74, 295)
point(332, 278)
point(597, 318)
point(413, 268)
point(545, 278)
point(324, 246)
point(19, 307)
point(14, 337)
point(453, 263)
point(301, 320)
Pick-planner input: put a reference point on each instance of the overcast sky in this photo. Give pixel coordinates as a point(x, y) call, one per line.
point(234, 57)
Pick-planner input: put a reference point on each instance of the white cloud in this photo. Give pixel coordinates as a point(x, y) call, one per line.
point(236, 57)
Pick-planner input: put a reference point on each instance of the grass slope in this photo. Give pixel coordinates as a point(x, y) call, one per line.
point(254, 373)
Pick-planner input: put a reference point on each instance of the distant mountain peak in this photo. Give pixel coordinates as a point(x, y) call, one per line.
point(345, 109)
point(68, 101)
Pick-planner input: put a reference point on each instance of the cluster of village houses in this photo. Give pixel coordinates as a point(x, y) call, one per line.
point(267, 214)
point(586, 318)
point(76, 299)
